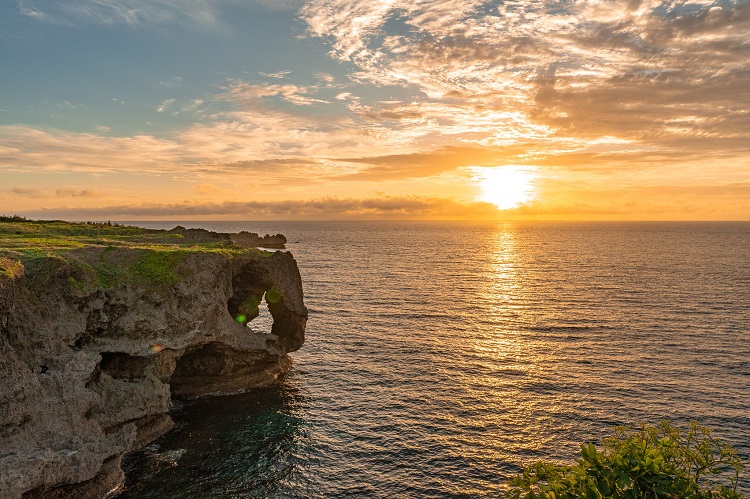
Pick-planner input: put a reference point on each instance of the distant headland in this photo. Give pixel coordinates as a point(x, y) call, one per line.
point(102, 325)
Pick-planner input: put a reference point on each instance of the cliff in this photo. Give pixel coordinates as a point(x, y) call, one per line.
point(100, 327)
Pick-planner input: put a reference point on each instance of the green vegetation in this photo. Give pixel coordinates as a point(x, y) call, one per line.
point(158, 267)
point(649, 462)
point(10, 268)
point(92, 252)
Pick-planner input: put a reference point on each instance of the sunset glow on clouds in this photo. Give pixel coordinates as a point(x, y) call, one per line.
point(198, 109)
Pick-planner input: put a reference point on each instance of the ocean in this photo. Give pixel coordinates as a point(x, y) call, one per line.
point(442, 356)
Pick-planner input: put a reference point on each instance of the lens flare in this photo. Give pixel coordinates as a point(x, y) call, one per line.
point(156, 348)
point(273, 296)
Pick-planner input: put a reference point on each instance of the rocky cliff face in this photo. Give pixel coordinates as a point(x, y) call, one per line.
point(88, 369)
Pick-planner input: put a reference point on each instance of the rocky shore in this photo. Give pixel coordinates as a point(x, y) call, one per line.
point(99, 333)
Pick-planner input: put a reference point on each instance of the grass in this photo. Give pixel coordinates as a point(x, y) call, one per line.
point(94, 252)
point(158, 267)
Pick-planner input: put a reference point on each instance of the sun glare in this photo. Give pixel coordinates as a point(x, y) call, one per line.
point(506, 186)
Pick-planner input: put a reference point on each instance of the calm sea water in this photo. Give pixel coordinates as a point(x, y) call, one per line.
point(440, 357)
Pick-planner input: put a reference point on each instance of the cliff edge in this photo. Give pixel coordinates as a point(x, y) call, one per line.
point(102, 326)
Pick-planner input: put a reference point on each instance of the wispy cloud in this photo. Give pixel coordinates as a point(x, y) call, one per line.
point(280, 75)
point(649, 70)
point(68, 105)
point(77, 193)
point(165, 105)
point(425, 164)
point(172, 82)
point(248, 95)
point(132, 12)
point(27, 9)
point(25, 149)
point(201, 13)
point(21, 191)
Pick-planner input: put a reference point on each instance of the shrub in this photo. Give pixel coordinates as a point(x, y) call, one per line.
point(648, 462)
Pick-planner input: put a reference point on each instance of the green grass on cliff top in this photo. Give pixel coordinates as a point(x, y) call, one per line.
point(25, 244)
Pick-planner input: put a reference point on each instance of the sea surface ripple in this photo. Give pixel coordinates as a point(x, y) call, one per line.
point(440, 357)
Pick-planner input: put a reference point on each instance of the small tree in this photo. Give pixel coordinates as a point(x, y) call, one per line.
point(650, 462)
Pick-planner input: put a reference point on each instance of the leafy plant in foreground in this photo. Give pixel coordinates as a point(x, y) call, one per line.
point(648, 462)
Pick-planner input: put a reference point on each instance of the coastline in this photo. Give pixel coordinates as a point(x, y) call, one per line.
point(105, 325)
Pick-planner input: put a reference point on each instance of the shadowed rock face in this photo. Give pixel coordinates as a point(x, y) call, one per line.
point(88, 373)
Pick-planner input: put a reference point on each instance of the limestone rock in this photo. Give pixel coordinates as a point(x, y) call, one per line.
point(253, 240)
point(242, 238)
point(89, 369)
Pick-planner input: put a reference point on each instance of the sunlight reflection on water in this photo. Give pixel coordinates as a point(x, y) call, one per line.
point(442, 356)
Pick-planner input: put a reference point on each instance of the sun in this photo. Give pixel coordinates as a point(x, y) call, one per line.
point(506, 186)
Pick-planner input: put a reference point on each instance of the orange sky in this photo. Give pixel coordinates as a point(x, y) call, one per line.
point(354, 109)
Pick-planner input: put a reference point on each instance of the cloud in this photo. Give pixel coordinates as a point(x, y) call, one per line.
point(653, 71)
point(405, 207)
point(324, 78)
point(274, 143)
point(77, 193)
point(425, 164)
point(594, 201)
point(26, 192)
point(165, 105)
point(204, 13)
point(172, 82)
point(280, 75)
point(68, 105)
point(234, 141)
point(25, 149)
point(271, 165)
point(251, 95)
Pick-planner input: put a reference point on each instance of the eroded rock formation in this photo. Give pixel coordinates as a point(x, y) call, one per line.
point(88, 371)
point(242, 238)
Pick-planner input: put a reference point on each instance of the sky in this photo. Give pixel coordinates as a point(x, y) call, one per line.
point(367, 109)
